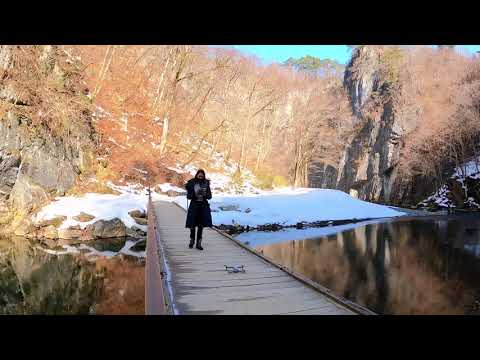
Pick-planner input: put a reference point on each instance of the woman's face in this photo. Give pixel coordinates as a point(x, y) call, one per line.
point(200, 176)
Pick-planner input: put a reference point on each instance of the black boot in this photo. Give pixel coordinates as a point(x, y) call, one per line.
point(199, 244)
point(192, 238)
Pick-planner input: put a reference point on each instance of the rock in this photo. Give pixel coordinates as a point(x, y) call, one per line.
point(247, 210)
point(368, 164)
point(83, 217)
point(50, 243)
point(108, 228)
point(9, 165)
point(136, 232)
point(229, 207)
point(172, 193)
point(473, 186)
point(111, 244)
point(49, 232)
point(72, 241)
point(139, 246)
point(56, 222)
point(132, 259)
point(456, 193)
point(24, 228)
point(37, 162)
point(322, 176)
point(138, 214)
point(141, 221)
point(269, 227)
point(74, 232)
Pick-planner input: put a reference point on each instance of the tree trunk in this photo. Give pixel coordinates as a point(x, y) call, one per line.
point(163, 142)
point(103, 70)
point(242, 149)
point(229, 152)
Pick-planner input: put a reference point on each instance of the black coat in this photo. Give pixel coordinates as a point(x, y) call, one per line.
point(199, 213)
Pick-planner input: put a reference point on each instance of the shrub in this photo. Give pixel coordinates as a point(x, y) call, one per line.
point(279, 181)
point(263, 180)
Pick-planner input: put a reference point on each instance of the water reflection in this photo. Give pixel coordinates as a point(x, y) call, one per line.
point(33, 281)
point(409, 266)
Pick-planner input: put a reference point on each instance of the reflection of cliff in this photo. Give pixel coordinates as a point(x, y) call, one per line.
point(399, 268)
point(34, 282)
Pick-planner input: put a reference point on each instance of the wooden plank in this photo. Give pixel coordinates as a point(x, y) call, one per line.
point(261, 305)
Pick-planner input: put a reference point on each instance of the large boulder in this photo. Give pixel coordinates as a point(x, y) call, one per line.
point(108, 228)
point(456, 193)
point(56, 221)
point(49, 232)
point(71, 233)
point(138, 214)
point(141, 221)
point(139, 246)
point(136, 232)
point(473, 186)
point(173, 193)
point(84, 217)
point(229, 207)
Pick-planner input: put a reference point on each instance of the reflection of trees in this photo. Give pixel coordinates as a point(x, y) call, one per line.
point(401, 267)
point(34, 282)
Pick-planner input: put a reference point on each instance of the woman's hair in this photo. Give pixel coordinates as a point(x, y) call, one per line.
point(200, 171)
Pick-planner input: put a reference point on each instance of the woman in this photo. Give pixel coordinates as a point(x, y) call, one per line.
point(198, 215)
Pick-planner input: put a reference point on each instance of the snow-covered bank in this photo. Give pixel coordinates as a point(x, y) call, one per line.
point(284, 206)
point(101, 206)
point(459, 191)
point(289, 206)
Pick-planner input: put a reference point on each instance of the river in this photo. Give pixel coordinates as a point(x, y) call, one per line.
point(35, 280)
point(421, 265)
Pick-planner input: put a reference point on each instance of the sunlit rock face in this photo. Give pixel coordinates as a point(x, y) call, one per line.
point(36, 164)
point(368, 166)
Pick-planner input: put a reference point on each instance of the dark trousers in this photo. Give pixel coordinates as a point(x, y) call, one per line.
point(199, 232)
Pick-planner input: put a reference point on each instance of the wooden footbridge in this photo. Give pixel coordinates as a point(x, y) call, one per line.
point(184, 281)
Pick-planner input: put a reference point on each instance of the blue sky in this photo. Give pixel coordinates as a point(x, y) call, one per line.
point(340, 53)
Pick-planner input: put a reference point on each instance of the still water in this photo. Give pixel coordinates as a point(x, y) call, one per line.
point(405, 266)
point(35, 281)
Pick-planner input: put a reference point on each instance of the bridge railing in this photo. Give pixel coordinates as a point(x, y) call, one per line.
point(156, 299)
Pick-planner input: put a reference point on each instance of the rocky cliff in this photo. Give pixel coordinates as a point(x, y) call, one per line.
point(368, 167)
point(37, 162)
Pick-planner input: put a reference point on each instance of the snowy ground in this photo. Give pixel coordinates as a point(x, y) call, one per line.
point(288, 206)
point(102, 206)
point(285, 206)
point(440, 197)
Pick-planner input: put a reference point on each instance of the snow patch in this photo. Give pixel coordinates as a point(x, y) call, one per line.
point(289, 206)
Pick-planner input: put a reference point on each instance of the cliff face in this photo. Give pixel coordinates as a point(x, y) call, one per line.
point(35, 164)
point(368, 167)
